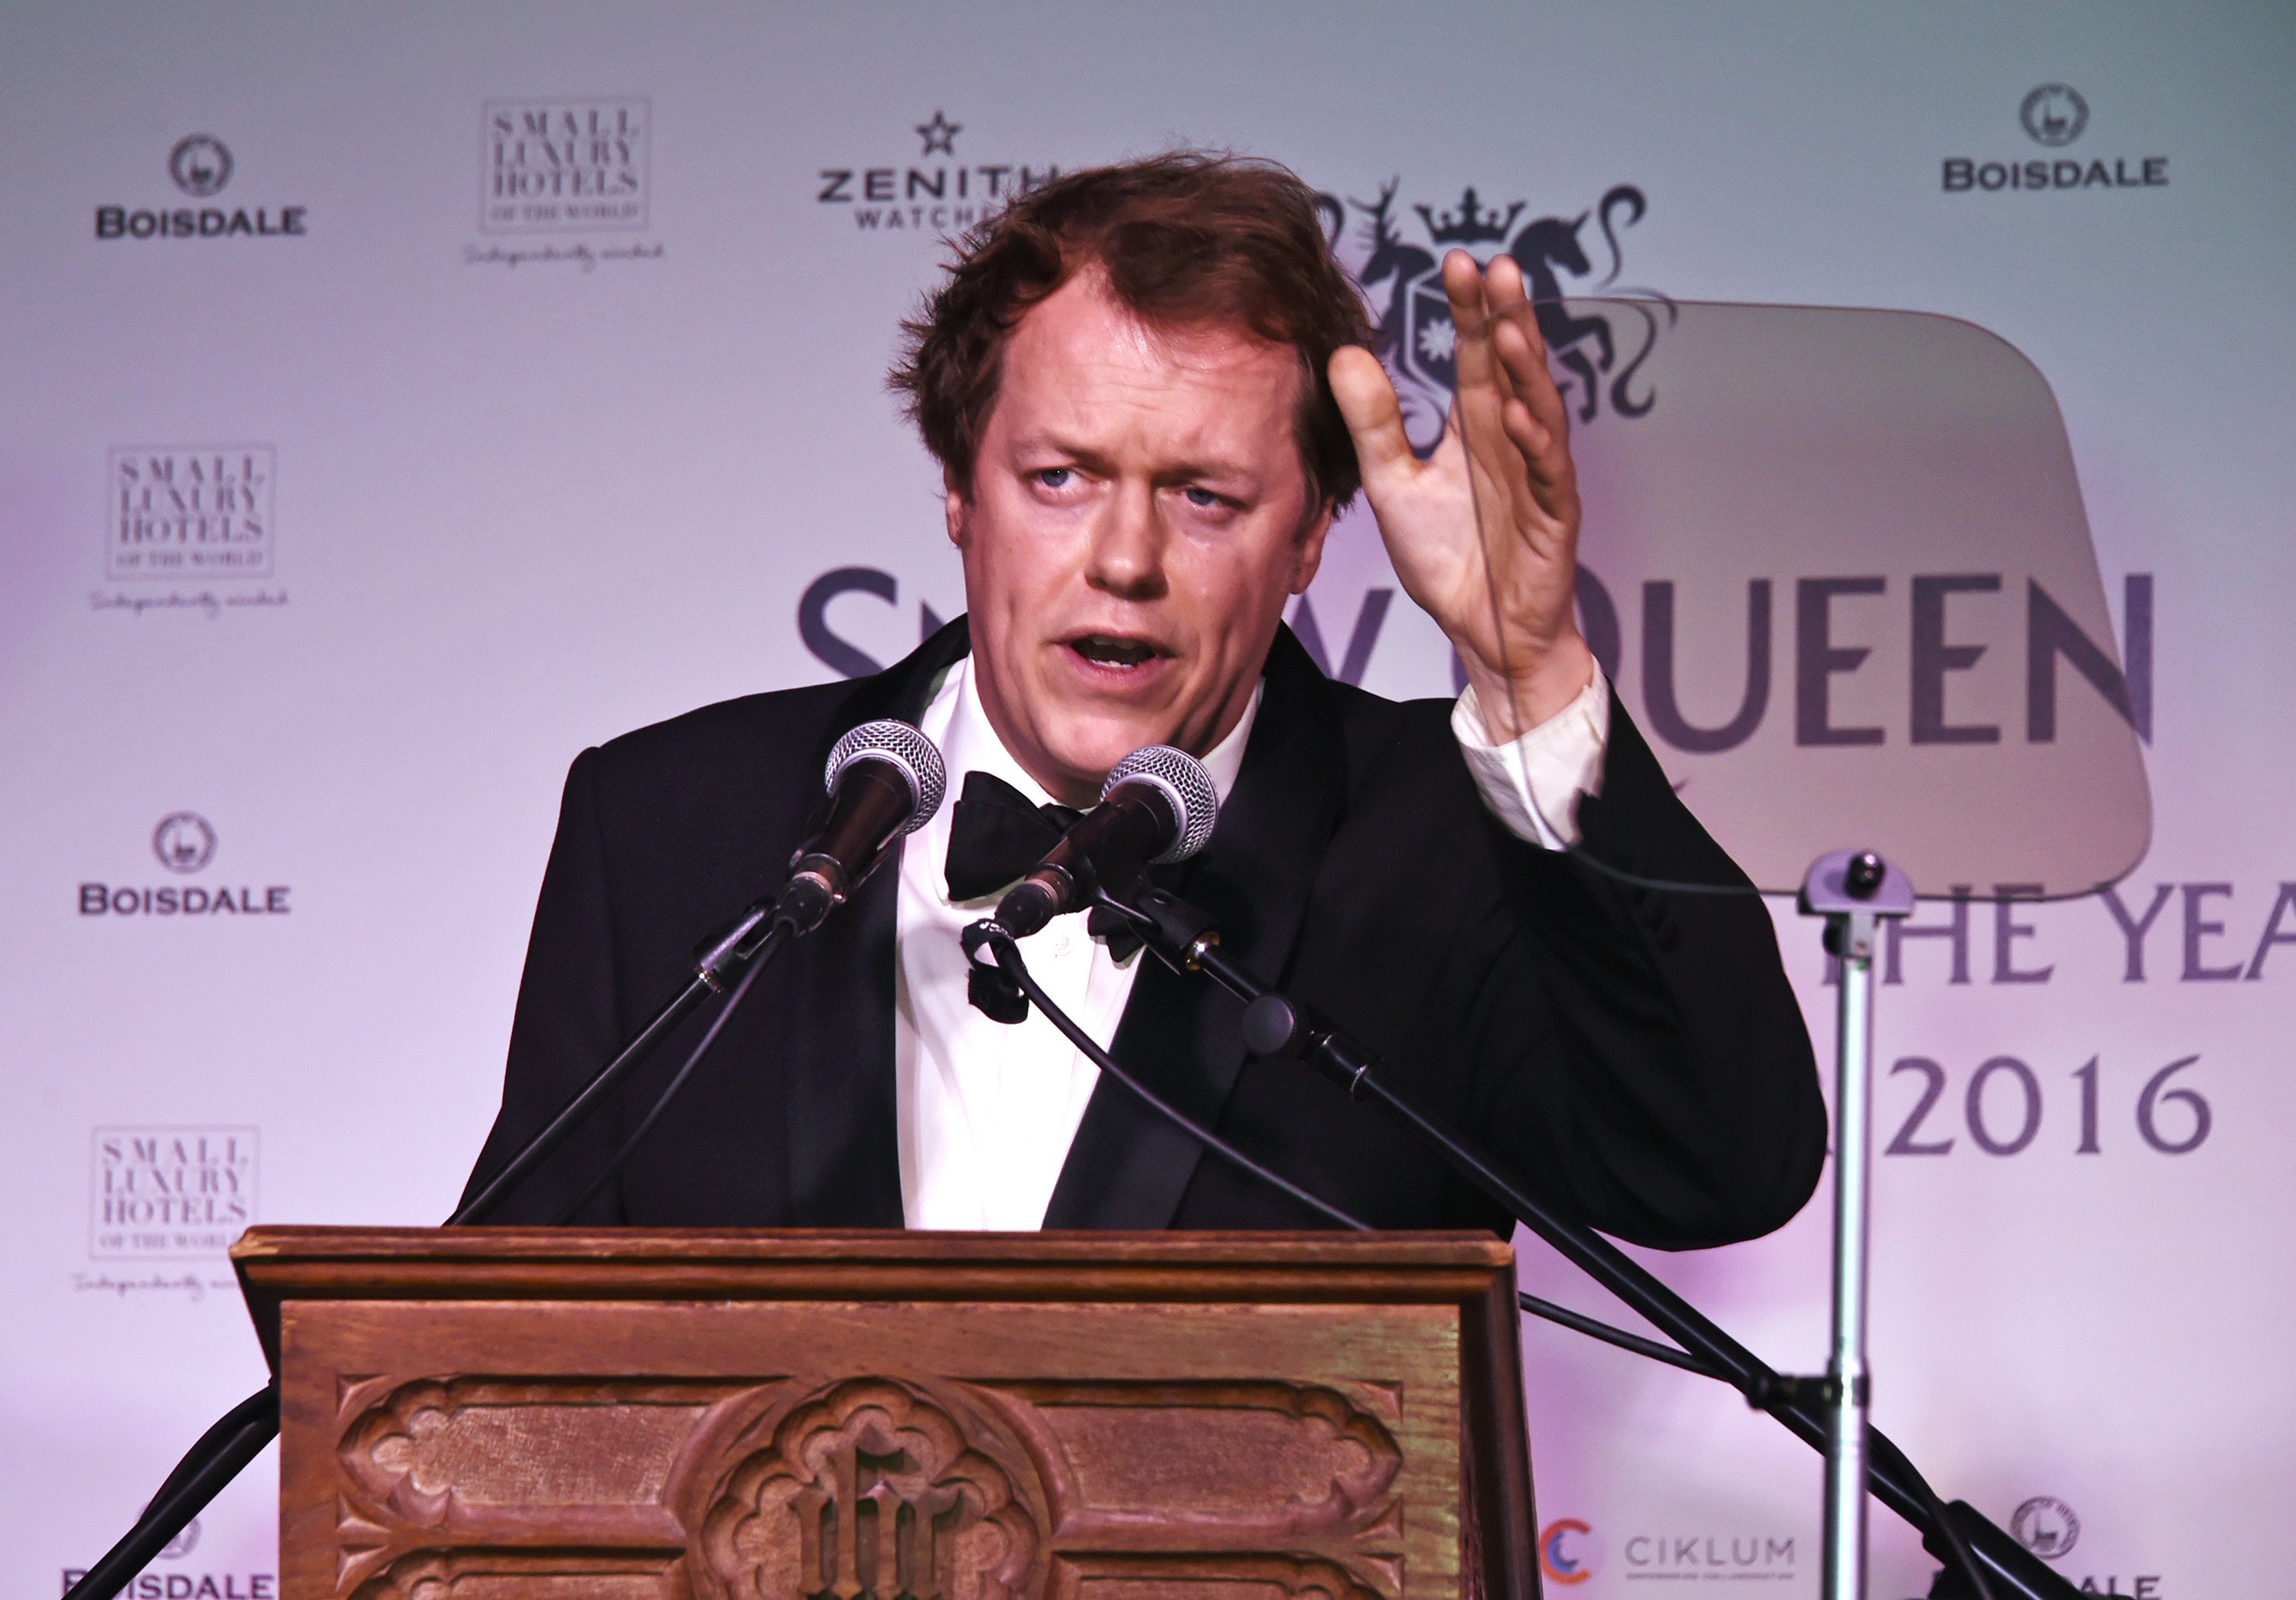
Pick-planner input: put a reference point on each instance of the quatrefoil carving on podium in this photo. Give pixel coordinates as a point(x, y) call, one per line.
point(874, 1488)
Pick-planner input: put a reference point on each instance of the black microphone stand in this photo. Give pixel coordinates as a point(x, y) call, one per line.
point(1187, 938)
point(237, 1438)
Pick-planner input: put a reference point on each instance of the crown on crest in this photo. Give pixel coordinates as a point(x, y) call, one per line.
point(1470, 223)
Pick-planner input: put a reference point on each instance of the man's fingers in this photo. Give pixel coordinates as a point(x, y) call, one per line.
point(1524, 360)
point(1529, 436)
point(1374, 415)
point(1510, 300)
point(1470, 323)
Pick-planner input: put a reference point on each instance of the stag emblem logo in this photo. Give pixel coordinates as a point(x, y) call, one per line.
point(183, 841)
point(1595, 366)
point(200, 165)
point(2047, 1526)
point(2054, 114)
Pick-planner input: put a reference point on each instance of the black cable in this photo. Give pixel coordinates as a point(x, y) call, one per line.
point(1964, 1557)
point(221, 1454)
point(1714, 1354)
point(1578, 1322)
point(1010, 962)
point(1014, 967)
point(741, 992)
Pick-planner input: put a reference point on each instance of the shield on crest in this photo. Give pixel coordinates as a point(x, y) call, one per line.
point(1430, 342)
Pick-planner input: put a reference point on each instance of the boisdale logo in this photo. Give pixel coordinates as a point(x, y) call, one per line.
point(200, 165)
point(566, 165)
point(2053, 116)
point(924, 195)
point(180, 1585)
point(189, 1586)
point(188, 510)
point(184, 843)
point(166, 1193)
point(2047, 1526)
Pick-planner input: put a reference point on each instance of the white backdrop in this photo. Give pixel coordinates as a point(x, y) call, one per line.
point(494, 477)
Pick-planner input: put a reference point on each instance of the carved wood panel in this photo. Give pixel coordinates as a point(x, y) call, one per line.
point(870, 1452)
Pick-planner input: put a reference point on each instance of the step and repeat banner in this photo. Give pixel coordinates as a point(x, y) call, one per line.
point(394, 401)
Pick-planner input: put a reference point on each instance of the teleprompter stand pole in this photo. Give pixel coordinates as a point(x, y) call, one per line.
point(1855, 891)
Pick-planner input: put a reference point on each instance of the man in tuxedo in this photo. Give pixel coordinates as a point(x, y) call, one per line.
point(1150, 391)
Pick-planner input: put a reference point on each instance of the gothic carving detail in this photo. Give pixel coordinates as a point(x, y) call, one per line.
point(873, 1488)
point(867, 1487)
point(428, 1450)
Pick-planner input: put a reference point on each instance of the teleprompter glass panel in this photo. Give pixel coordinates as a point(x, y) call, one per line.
point(1837, 565)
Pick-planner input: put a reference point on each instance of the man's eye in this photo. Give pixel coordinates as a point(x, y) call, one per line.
point(1055, 477)
point(1204, 497)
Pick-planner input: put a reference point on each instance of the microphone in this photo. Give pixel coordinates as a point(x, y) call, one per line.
point(1158, 805)
point(885, 779)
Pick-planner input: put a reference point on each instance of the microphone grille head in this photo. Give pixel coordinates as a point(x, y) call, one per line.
point(1184, 783)
point(903, 748)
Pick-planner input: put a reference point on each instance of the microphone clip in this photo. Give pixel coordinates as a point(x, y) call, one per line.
point(990, 988)
point(1179, 933)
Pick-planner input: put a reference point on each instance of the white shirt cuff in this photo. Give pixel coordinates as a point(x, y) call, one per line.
point(1533, 785)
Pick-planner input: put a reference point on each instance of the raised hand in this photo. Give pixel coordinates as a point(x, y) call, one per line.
point(1484, 534)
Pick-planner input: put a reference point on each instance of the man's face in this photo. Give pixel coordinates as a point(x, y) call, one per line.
point(1138, 517)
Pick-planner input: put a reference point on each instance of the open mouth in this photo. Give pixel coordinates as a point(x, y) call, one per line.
point(1111, 649)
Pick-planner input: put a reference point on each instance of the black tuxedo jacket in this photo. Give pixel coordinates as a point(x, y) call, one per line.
point(1636, 1057)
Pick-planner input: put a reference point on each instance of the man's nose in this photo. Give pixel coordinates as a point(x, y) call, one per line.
point(1126, 559)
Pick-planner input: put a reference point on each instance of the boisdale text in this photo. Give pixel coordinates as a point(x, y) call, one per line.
point(118, 221)
point(184, 1585)
point(98, 899)
point(1962, 173)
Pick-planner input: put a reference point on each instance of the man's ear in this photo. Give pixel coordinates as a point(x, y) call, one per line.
point(1309, 548)
point(954, 505)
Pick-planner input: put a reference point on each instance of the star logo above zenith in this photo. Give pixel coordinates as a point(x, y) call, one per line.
point(939, 133)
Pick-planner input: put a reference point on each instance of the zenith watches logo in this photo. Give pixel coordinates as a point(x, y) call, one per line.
point(936, 191)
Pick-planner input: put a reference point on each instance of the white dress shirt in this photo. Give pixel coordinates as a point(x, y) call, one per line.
point(987, 1110)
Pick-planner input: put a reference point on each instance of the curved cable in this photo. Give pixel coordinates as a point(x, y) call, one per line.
point(1010, 962)
point(1580, 1323)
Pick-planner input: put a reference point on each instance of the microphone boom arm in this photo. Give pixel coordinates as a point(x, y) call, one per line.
point(1186, 938)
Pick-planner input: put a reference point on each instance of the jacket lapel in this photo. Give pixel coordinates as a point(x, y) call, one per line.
point(842, 1128)
point(1128, 1168)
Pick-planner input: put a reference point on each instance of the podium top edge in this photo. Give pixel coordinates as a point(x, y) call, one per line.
point(280, 1265)
point(872, 1247)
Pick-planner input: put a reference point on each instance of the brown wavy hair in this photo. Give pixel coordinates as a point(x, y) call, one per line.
point(1187, 239)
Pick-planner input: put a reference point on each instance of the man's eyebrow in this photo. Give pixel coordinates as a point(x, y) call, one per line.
point(1084, 455)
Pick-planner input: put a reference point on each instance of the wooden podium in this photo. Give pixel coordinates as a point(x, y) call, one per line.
point(515, 1414)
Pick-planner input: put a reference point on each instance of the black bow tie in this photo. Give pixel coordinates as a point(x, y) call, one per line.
point(997, 836)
